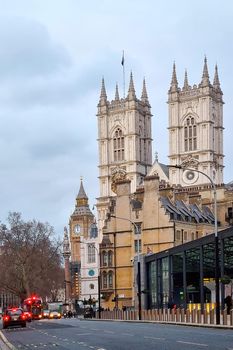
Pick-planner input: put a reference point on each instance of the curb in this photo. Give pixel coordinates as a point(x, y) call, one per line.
point(7, 343)
point(167, 323)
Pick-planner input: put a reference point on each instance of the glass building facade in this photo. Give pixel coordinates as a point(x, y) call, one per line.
point(186, 273)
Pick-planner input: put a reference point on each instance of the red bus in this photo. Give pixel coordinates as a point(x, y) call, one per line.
point(33, 305)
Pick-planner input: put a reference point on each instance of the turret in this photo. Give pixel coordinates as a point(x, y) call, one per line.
point(205, 75)
point(117, 98)
point(103, 95)
point(216, 83)
point(144, 97)
point(186, 84)
point(174, 82)
point(131, 91)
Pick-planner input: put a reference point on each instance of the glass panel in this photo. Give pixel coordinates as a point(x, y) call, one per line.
point(152, 285)
point(177, 274)
point(165, 280)
point(193, 275)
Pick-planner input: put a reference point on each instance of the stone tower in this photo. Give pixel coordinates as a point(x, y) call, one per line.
point(124, 140)
point(196, 129)
point(80, 223)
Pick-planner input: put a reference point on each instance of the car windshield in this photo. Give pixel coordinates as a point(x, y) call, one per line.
point(14, 312)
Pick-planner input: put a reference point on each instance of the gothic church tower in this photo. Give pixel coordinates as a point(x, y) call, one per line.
point(196, 129)
point(124, 140)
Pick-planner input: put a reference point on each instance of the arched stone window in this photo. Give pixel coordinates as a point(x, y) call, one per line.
point(105, 258)
point(91, 253)
point(105, 280)
point(190, 134)
point(110, 258)
point(110, 279)
point(118, 145)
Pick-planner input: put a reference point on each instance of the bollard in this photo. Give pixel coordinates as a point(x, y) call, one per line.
point(178, 315)
point(187, 316)
point(231, 317)
point(182, 314)
point(199, 316)
point(149, 315)
point(205, 316)
point(173, 315)
point(160, 315)
point(153, 315)
point(224, 314)
point(212, 314)
point(194, 315)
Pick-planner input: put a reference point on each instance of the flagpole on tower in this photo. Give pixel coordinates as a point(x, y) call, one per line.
point(123, 68)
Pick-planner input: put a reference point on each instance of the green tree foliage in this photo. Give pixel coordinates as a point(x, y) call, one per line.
point(30, 258)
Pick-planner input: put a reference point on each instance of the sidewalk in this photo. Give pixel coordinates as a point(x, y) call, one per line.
point(4, 344)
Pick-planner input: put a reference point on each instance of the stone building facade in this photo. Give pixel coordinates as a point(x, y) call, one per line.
point(169, 206)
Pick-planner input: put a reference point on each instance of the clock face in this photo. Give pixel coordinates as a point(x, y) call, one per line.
point(190, 177)
point(91, 272)
point(77, 229)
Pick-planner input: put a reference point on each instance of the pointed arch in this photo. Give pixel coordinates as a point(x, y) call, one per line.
point(190, 133)
point(118, 145)
point(105, 279)
point(110, 255)
point(110, 279)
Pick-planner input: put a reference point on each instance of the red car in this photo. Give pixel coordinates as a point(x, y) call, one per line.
point(13, 317)
point(28, 316)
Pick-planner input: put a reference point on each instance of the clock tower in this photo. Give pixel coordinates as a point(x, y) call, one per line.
point(80, 223)
point(84, 249)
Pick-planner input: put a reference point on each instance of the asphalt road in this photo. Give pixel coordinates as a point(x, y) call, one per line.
point(73, 334)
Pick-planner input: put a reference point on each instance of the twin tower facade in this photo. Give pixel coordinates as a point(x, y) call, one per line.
point(195, 135)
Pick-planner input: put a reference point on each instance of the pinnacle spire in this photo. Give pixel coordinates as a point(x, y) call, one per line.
point(144, 96)
point(216, 82)
point(117, 93)
point(174, 82)
point(205, 75)
point(103, 95)
point(81, 193)
point(131, 91)
point(186, 84)
point(81, 199)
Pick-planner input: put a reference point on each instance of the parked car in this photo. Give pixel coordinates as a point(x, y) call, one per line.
point(54, 314)
point(13, 317)
point(45, 313)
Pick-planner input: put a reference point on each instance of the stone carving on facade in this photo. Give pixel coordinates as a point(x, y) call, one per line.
point(189, 162)
point(118, 173)
point(66, 244)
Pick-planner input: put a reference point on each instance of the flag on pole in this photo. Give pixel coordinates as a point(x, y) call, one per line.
point(123, 59)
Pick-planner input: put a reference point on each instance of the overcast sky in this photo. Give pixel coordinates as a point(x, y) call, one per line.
point(53, 54)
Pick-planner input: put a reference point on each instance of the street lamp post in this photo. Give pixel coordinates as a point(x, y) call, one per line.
point(138, 264)
point(215, 236)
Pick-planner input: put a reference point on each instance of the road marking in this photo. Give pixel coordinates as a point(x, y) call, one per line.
point(111, 332)
point(155, 338)
point(129, 334)
point(190, 343)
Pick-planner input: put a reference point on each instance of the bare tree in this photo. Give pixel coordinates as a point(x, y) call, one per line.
point(30, 258)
